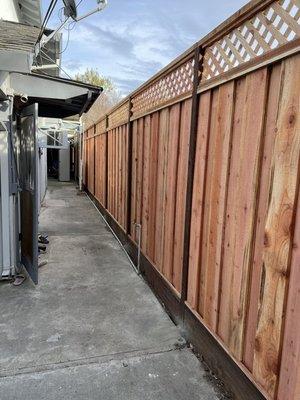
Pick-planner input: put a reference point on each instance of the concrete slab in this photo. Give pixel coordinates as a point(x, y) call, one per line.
point(67, 336)
point(157, 376)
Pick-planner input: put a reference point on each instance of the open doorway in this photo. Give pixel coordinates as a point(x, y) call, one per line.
point(53, 163)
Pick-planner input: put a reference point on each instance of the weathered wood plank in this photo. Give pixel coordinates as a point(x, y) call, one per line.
point(170, 192)
point(185, 126)
point(204, 116)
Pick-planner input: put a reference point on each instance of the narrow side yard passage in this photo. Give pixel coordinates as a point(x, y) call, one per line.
point(91, 329)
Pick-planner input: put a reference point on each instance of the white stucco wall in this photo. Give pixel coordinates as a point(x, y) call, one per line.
point(9, 11)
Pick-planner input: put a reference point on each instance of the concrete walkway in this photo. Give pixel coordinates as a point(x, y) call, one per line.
point(91, 329)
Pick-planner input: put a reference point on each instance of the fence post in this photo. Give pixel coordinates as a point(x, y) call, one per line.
point(129, 169)
point(106, 162)
point(191, 167)
point(94, 160)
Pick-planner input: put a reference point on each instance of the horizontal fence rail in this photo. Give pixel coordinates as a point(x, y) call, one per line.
point(199, 167)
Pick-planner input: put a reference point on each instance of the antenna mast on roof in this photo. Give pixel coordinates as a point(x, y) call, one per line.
point(70, 11)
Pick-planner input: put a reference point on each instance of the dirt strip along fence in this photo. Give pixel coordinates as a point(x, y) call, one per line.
point(203, 159)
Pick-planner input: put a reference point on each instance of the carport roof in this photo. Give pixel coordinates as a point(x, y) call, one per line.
point(57, 97)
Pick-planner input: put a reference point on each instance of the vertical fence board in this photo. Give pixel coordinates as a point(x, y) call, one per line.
point(146, 186)
point(278, 229)
point(154, 132)
point(243, 269)
point(262, 208)
point(208, 185)
point(124, 174)
point(241, 211)
point(161, 186)
point(216, 183)
point(198, 193)
point(140, 161)
point(134, 179)
point(170, 192)
point(185, 126)
point(289, 381)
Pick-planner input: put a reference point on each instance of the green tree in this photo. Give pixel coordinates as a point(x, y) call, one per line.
point(92, 76)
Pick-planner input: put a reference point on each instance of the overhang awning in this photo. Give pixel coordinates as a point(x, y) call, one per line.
point(57, 97)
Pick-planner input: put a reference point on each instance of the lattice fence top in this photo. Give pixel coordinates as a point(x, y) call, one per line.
point(276, 25)
point(176, 83)
point(119, 116)
point(261, 32)
point(101, 126)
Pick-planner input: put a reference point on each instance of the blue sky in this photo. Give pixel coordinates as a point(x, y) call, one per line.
point(131, 40)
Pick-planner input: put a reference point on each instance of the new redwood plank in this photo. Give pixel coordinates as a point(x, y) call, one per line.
point(125, 173)
point(197, 203)
point(241, 212)
point(154, 131)
point(139, 189)
point(215, 203)
point(278, 233)
point(97, 168)
point(161, 187)
point(134, 179)
point(263, 202)
point(289, 380)
point(182, 173)
point(170, 193)
point(104, 173)
point(146, 186)
point(120, 192)
point(206, 199)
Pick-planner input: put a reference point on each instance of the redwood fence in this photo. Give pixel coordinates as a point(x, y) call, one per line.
point(204, 160)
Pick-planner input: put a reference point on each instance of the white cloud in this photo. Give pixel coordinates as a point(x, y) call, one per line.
point(131, 40)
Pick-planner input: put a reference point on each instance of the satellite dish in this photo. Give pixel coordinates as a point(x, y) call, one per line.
point(70, 9)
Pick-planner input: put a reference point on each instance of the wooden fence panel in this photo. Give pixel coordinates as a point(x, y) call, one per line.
point(161, 187)
point(215, 202)
point(181, 185)
point(100, 168)
point(200, 175)
point(289, 383)
point(243, 275)
point(91, 165)
point(278, 232)
point(152, 183)
point(241, 210)
point(117, 153)
point(170, 193)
